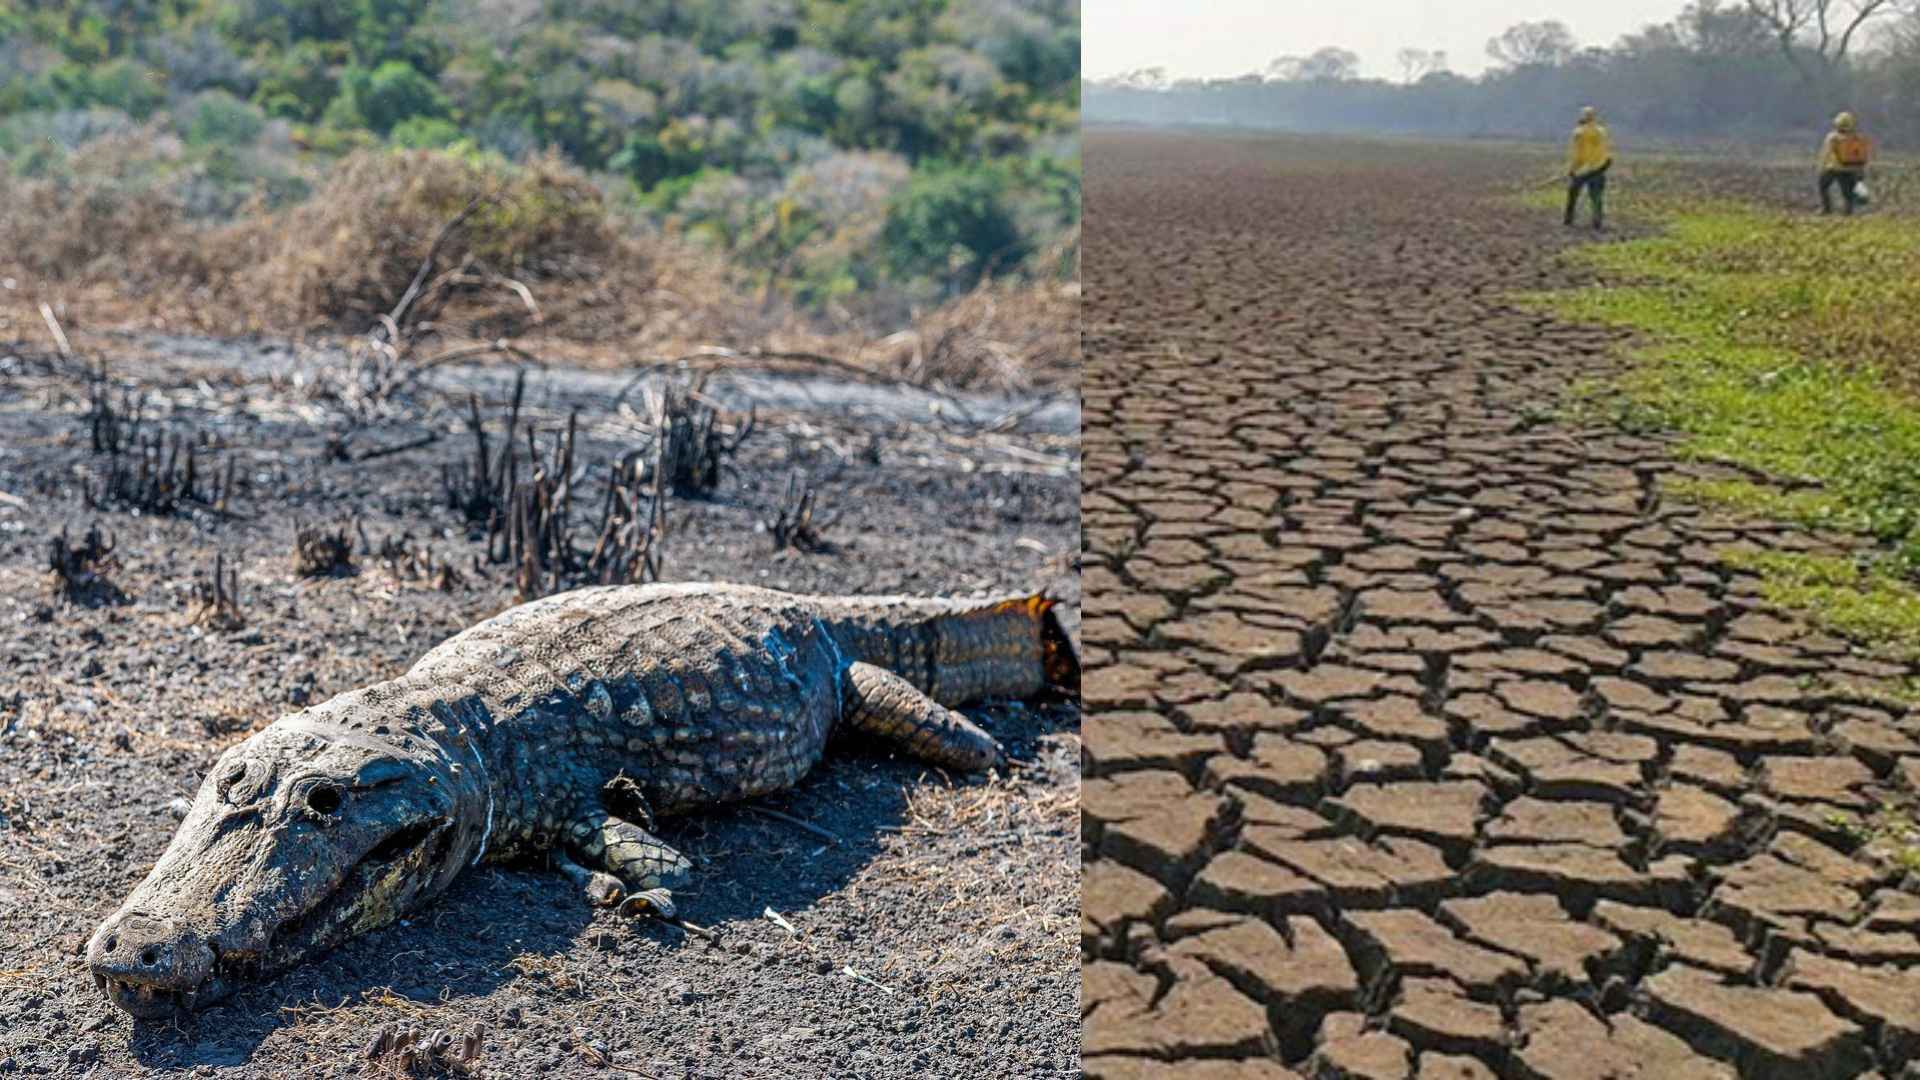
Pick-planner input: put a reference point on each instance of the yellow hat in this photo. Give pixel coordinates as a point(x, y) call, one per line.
point(1843, 122)
point(1588, 115)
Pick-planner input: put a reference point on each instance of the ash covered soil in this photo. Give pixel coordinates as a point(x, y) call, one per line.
point(931, 936)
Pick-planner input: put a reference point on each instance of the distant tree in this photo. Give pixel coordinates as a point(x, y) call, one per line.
point(384, 30)
point(646, 159)
point(298, 83)
point(283, 22)
point(1284, 68)
point(1533, 44)
point(1715, 69)
point(1417, 64)
point(499, 23)
point(1329, 64)
point(1900, 66)
point(1903, 38)
point(118, 84)
point(1816, 36)
point(707, 106)
point(1147, 78)
point(1714, 29)
point(953, 224)
point(1023, 43)
point(424, 133)
point(385, 96)
point(219, 118)
point(198, 59)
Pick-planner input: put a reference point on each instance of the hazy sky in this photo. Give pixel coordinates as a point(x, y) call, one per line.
point(1233, 37)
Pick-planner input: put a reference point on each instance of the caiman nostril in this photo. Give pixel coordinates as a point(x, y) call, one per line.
point(139, 960)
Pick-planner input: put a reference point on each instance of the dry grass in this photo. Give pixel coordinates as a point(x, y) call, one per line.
point(345, 255)
point(1000, 336)
point(544, 261)
point(1031, 828)
point(544, 252)
point(320, 552)
point(61, 234)
point(79, 570)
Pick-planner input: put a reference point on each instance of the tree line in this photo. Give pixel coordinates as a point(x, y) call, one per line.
point(840, 147)
point(1732, 69)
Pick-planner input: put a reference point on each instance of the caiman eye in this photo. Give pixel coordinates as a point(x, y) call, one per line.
point(234, 787)
point(324, 800)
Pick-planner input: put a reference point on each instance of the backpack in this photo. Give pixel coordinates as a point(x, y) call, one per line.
point(1852, 150)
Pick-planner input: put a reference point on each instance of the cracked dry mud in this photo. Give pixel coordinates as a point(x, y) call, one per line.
point(1425, 738)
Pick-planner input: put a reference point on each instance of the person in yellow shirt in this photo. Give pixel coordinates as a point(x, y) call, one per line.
point(1844, 155)
point(1589, 155)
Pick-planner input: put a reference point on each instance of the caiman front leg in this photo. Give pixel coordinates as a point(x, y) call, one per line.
point(601, 887)
point(629, 856)
point(881, 703)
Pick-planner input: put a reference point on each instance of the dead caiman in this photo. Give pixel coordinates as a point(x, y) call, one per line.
point(562, 727)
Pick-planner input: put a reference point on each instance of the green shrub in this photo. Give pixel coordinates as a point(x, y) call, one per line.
point(953, 225)
point(123, 84)
point(298, 84)
point(40, 158)
point(425, 133)
point(388, 31)
point(220, 119)
point(284, 22)
point(666, 196)
point(716, 115)
point(332, 141)
point(647, 161)
point(1783, 344)
point(383, 97)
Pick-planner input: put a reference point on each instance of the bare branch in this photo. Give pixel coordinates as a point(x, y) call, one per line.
point(1863, 12)
point(1809, 26)
point(399, 312)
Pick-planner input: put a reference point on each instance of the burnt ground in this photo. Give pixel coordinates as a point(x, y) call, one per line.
point(1427, 738)
point(932, 935)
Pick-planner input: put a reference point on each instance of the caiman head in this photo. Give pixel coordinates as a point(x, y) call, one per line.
point(304, 835)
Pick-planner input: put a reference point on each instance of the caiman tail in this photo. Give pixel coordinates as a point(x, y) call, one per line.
point(956, 651)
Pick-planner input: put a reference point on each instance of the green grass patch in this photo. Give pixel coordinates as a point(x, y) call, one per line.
point(1544, 198)
point(1889, 835)
point(1842, 428)
point(1788, 344)
point(1806, 506)
point(1843, 292)
point(1865, 600)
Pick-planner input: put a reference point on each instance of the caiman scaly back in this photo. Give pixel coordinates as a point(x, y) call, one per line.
point(566, 726)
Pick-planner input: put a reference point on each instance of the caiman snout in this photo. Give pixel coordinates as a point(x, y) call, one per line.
point(149, 966)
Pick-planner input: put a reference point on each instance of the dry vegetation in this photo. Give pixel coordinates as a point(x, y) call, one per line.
point(539, 258)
